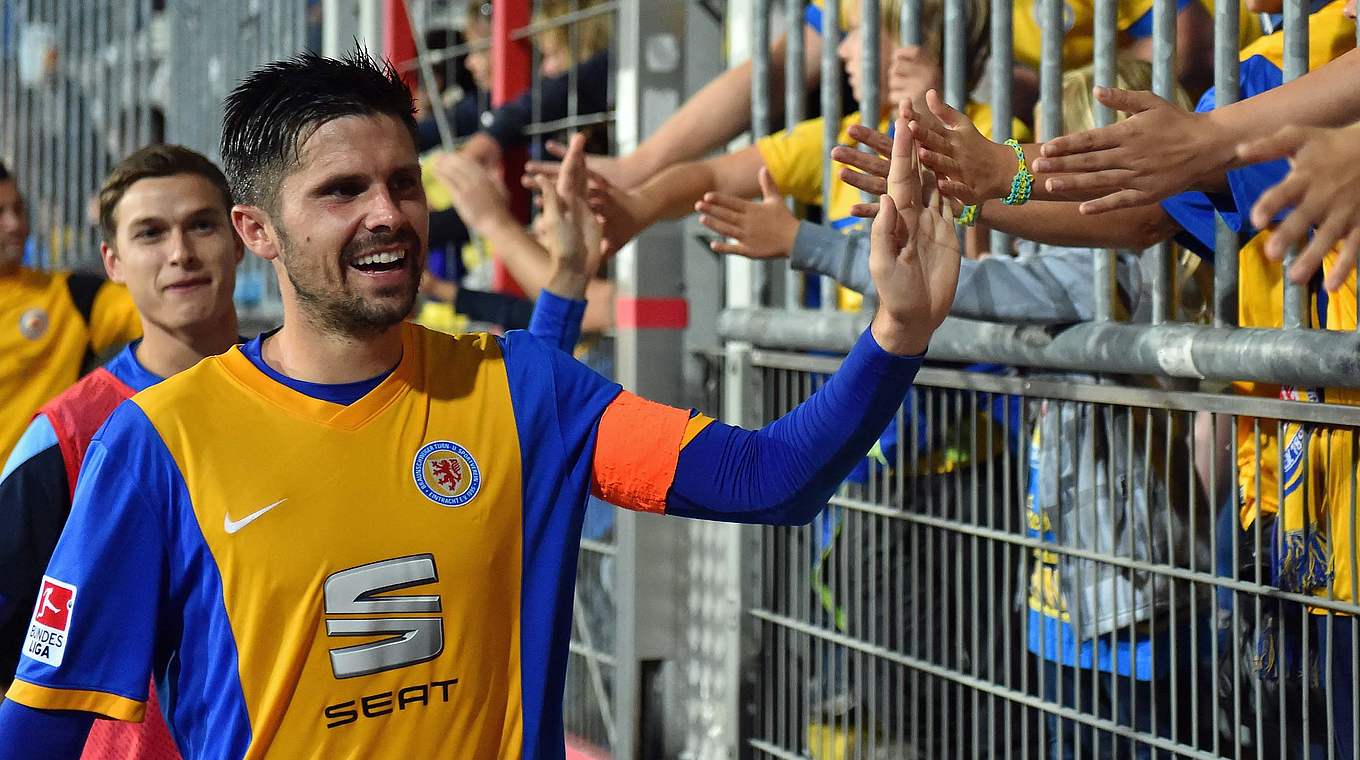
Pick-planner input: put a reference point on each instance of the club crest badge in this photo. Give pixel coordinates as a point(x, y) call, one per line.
point(446, 473)
point(33, 324)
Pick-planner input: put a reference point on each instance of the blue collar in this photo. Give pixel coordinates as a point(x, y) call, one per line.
point(125, 367)
point(340, 393)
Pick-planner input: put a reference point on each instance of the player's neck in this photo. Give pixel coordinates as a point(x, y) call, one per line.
point(303, 352)
point(164, 352)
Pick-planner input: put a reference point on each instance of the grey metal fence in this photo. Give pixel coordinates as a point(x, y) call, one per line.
point(85, 82)
point(1052, 561)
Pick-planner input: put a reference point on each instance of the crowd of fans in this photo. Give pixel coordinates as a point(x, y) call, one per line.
point(1274, 167)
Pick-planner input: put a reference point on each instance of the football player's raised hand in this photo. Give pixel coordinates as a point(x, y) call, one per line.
point(914, 255)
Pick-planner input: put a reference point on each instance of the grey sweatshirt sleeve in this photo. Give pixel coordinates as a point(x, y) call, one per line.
point(844, 258)
point(1051, 285)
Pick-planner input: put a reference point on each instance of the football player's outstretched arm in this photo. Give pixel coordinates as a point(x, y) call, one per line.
point(784, 472)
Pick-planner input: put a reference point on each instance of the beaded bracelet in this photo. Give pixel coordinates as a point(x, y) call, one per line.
point(1023, 182)
point(968, 216)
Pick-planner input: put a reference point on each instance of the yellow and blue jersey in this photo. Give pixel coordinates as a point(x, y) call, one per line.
point(54, 323)
point(342, 567)
point(1313, 456)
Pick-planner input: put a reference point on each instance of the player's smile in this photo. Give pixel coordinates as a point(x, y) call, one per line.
point(386, 265)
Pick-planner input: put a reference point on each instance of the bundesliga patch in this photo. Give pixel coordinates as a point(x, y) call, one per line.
point(446, 473)
point(48, 633)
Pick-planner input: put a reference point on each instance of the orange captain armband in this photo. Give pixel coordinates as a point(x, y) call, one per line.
point(637, 449)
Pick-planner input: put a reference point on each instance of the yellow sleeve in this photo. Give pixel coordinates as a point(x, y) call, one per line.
point(1330, 35)
point(1128, 12)
point(844, 13)
point(80, 700)
point(114, 319)
point(436, 196)
point(981, 116)
point(794, 158)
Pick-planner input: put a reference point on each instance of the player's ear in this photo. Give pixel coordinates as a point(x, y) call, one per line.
point(112, 264)
point(255, 231)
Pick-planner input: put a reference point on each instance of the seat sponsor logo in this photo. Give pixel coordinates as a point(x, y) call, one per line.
point(356, 597)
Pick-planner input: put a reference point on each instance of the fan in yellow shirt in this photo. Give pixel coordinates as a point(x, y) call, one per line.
point(52, 324)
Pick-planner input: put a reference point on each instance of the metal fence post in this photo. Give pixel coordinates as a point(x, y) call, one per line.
point(831, 119)
point(1226, 25)
point(1296, 298)
point(1106, 45)
point(649, 347)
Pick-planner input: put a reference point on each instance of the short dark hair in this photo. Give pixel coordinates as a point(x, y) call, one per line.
point(4, 172)
point(154, 161)
point(281, 104)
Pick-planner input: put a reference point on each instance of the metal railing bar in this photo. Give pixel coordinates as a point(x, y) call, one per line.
point(564, 19)
point(1308, 358)
point(1182, 401)
point(570, 122)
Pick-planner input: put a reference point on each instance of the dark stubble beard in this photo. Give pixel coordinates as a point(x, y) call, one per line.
point(346, 313)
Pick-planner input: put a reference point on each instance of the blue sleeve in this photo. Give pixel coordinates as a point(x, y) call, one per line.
point(784, 473)
point(110, 567)
point(1143, 26)
point(26, 733)
point(557, 320)
point(1194, 213)
point(812, 16)
point(1246, 185)
point(34, 500)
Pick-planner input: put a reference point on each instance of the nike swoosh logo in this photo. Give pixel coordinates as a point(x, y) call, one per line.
point(231, 526)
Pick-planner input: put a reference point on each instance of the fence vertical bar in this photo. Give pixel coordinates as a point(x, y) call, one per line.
point(1050, 69)
point(1106, 48)
point(1002, 62)
point(1163, 84)
point(760, 115)
point(795, 87)
point(1295, 66)
point(870, 55)
point(831, 121)
point(955, 44)
point(1227, 21)
point(870, 101)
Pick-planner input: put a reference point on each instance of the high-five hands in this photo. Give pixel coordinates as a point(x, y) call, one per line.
point(763, 229)
point(914, 253)
point(574, 235)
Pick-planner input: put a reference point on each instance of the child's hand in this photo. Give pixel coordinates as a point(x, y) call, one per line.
point(759, 229)
point(572, 234)
point(621, 213)
point(477, 196)
point(971, 168)
point(1160, 150)
point(1324, 172)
